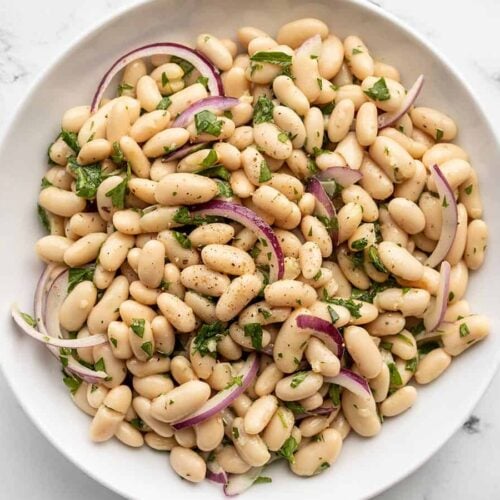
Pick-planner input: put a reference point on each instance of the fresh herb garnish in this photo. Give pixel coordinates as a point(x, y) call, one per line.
point(263, 110)
point(182, 239)
point(297, 379)
point(118, 193)
point(296, 408)
point(29, 319)
point(186, 66)
point(99, 365)
point(411, 365)
point(334, 393)
point(210, 159)
point(349, 304)
point(43, 217)
point(331, 223)
point(254, 331)
point(237, 380)
point(78, 274)
point(207, 122)
point(147, 347)
point(333, 314)
point(265, 172)
point(289, 447)
point(72, 382)
point(375, 260)
point(164, 103)
point(203, 80)
point(272, 57)
point(263, 480)
point(359, 244)
point(207, 337)
point(217, 171)
point(71, 139)
point(395, 377)
point(124, 86)
point(379, 91)
point(464, 330)
point(137, 326)
point(183, 216)
point(283, 137)
point(225, 189)
point(439, 134)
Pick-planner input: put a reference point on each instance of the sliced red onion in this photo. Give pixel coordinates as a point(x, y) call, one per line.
point(323, 330)
point(388, 119)
point(252, 221)
point(56, 295)
point(321, 411)
point(449, 218)
point(324, 207)
point(199, 61)
point(216, 473)
point(344, 176)
point(238, 483)
point(310, 47)
point(215, 102)
point(352, 382)
point(435, 315)
point(180, 153)
point(54, 341)
point(223, 398)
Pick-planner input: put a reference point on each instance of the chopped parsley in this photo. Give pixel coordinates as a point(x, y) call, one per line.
point(237, 380)
point(356, 51)
point(288, 449)
point(297, 379)
point(124, 86)
point(265, 313)
point(71, 139)
point(334, 393)
point(88, 178)
point(118, 193)
point(427, 348)
point(405, 339)
point(254, 331)
point(43, 217)
point(468, 189)
point(137, 326)
point(296, 407)
point(417, 328)
point(319, 81)
point(464, 330)
point(207, 122)
point(359, 244)
point(328, 108)
point(395, 377)
point(137, 423)
point(210, 160)
point(217, 171)
point(45, 183)
point(117, 156)
point(379, 91)
point(182, 239)
point(263, 110)
point(99, 365)
point(263, 480)
point(225, 189)
point(331, 223)
point(445, 202)
point(29, 319)
point(265, 172)
point(182, 216)
point(375, 260)
point(319, 151)
point(333, 314)
point(312, 167)
point(283, 137)
point(72, 383)
point(439, 134)
point(186, 66)
point(203, 80)
point(349, 304)
point(147, 347)
point(235, 432)
point(386, 345)
point(206, 339)
point(272, 57)
point(451, 296)
point(164, 103)
point(78, 274)
point(411, 365)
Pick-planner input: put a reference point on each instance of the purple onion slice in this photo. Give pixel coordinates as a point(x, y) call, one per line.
point(434, 316)
point(214, 102)
point(352, 382)
point(324, 331)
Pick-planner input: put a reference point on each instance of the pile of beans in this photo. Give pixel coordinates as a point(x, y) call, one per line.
point(168, 279)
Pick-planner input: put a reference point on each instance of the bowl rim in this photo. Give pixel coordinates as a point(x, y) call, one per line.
point(377, 10)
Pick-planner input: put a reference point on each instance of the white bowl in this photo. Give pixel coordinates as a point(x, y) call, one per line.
point(365, 467)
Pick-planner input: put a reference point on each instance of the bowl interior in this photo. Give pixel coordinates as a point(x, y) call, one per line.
point(365, 467)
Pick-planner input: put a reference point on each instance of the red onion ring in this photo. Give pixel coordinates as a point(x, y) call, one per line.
point(352, 382)
point(449, 218)
point(199, 61)
point(223, 398)
point(238, 483)
point(388, 119)
point(216, 473)
point(324, 331)
point(324, 207)
point(252, 221)
point(180, 153)
point(344, 176)
point(214, 102)
point(435, 315)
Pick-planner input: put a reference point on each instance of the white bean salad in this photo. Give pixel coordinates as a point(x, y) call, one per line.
point(255, 248)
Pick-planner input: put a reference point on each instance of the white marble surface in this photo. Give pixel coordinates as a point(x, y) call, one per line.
point(32, 34)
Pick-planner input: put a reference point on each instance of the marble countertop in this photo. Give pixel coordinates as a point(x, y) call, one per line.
point(30, 38)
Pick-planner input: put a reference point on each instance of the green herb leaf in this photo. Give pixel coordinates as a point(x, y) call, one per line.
point(395, 377)
point(333, 314)
point(182, 239)
point(118, 156)
point(356, 51)
point(386, 345)
point(29, 319)
point(375, 260)
point(203, 80)
point(464, 330)
point(263, 480)
point(283, 137)
point(331, 224)
point(118, 193)
point(272, 57)
point(207, 122)
point(254, 331)
point(164, 79)
point(210, 159)
point(235, 432)
point(318, 151)
point(319, 81)
point(164, 103)
point(468, 189)
point(207, 337)
point(124, 86)
point(137, 326)
point(182, 216)
point(379, 91)
point(137, 423)
point(265, 172)
point(417, 328)
point(411, 365)
point(334, 393)
point(328, 108)
point(72, 383)
point(323, 466)
point(78, 274)
point(263, 110)
point(445, 202)
point(113, 341)
point(297, 379)
point(218, 171)
point(427, 348)
point(43, 217)
point(147, 347)
point(405, 339)
point(359, 244)
point(312, 167)
point(186, 66)
point(451, 296)
point(265, 313)
point(45, 183)
point(297, 408)
point(289, 447)
point(99, 365)
point(349, 304)
point(71, 139)
point(237, 380)
point(225, 189)
point(439, 134)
